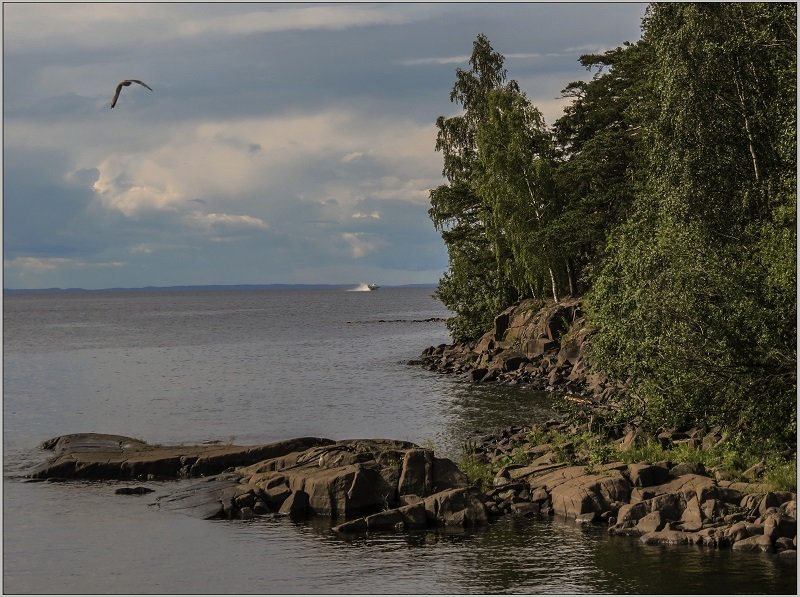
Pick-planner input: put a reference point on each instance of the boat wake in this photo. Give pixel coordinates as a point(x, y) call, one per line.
point(360, 288)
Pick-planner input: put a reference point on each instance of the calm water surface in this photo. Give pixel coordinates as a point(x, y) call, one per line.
point(258, 366)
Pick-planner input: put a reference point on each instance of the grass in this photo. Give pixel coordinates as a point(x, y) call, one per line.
point(593, 450)
point(479, 472)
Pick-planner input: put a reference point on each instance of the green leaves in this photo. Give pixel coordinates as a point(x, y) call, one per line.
point(667, 190)
point(474, 286)
point(695, 299)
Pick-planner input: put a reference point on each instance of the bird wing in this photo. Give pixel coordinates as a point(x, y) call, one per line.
point(116, 93)
point(141, 83)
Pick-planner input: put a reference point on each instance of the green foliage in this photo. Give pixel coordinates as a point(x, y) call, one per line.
point(595, 141)
point(666, 192)
point(695, 300)
point(781, 475)
point(473, 287)
point(479, 472)
point(513, 177)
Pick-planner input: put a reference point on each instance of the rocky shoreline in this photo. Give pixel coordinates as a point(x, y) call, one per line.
point(662, 503)
point(374, 485)
point(536, 343)
point(543, 346)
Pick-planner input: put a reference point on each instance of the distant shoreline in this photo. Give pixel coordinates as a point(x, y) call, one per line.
point(208, 287)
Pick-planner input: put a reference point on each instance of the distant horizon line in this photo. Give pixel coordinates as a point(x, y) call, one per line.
point(213, 287)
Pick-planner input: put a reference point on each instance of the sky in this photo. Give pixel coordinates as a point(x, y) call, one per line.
point(282, 142)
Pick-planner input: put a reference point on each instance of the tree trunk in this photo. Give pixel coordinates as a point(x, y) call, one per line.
point(553, 283)
point(569, 278)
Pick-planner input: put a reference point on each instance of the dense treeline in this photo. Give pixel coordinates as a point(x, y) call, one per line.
point(665, 195)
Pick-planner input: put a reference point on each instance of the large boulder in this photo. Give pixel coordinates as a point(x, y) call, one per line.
point(460, 507)
point(589, 494)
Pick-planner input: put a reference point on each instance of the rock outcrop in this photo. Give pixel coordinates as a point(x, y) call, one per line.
point(389, 486)
point(103, 456)
point(538, 343)
point(661, 502)
point(369, 484)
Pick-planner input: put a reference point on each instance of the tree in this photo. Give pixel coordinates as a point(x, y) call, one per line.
point(595, 141)
point(513, 177)
point(473, 287)
point(695, 303)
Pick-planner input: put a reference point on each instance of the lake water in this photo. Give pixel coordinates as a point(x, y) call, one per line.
point(263, 365)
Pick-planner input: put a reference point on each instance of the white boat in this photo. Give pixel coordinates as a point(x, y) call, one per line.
point(373, 286)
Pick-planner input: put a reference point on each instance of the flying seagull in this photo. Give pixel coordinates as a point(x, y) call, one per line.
point(126, 83)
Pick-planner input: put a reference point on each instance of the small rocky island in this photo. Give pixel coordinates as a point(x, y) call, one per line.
point(379, 485)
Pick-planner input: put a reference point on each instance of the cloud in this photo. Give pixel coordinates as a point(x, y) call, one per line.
point(47, 264)
point(110, 24)
point(212, 160)
point(298, 19)
point(213, 220)
point(352, 157)
point(142, 248)
point(360, 243)
point(375, 215)
point(462, 59)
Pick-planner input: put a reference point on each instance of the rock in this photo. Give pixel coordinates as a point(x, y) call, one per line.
point(356, 526)
point(509, 361)
point(755, 471)
point(539, 495)
point(651, 522)
point(501, 324)
point(100, 456)
point(783, 543)
point(589, 494)
point(446, 475)
point(245, 497)
point(751, 501)
point(668, 505)
point(276, 491)
point(478, 374)
point(296, 505)
point(414, 516)
point(525, 508)
point(532, 470)
point(416, 473)
point(776, 525)
point(692, 518)
point(133, 490)
point(389, 520)
point(770, 500)
point(667, 537)
point(789, 508)
point(758, 543)
point(460, 507)
point(687, 468)
point(409, 499)
point(688, 485)
point(246, 513)
point(343, 491)
point(207, 499)
point(646, 475)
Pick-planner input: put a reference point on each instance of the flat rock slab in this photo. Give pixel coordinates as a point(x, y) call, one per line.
point(102, 456)
point(206, 499)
